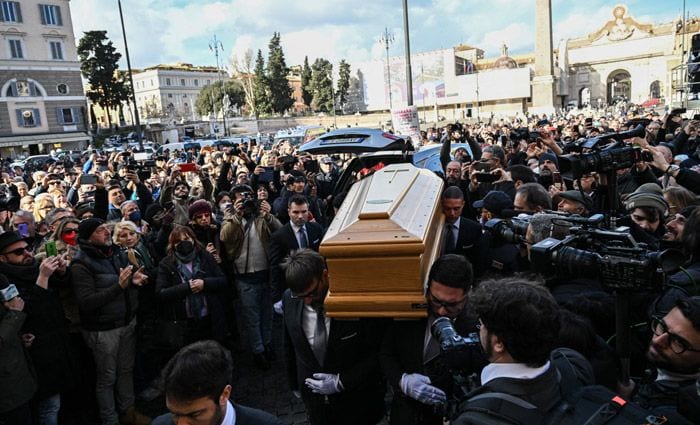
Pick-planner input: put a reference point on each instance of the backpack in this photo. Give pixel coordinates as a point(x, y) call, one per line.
point(580, 404)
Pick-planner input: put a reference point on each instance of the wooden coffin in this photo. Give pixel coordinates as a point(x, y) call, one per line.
point(382, 243)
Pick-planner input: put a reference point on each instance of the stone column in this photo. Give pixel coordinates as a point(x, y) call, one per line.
point(543, 92)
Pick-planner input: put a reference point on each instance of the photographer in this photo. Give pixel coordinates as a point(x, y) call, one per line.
point(245, 235)
point(410, 356)
point(647, 210)
point(686, 282)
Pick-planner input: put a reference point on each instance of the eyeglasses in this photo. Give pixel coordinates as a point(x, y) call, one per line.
point(312, 293)
point(676, 342)
point(450, 307)
point(18, 251)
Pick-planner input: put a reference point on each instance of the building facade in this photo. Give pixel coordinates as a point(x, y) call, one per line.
point(42, 103)
point(622, 60)
point(167, 93)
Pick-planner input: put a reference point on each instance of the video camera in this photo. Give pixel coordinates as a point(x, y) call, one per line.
point(614, 156)
point(613, 256)
point(509, 231)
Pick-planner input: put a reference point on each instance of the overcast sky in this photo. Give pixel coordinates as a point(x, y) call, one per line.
point(169, 31)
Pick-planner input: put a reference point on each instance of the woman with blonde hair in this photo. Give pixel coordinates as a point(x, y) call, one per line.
point(43, 203)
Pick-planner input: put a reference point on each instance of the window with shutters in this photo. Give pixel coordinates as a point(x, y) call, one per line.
point(50, 14)
point(167, 81)
point(10, 11)
point(196, 83)
point(28, 117)
point(182, 81)
point(16, 48)
point(68, 116)
point(56, 50)
point(22, 88)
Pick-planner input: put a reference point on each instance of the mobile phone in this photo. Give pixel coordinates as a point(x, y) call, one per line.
point(267, 176)
point(23, 230)
point(50, 248)
point(88, 179)
point(9, 293)
point(482, 166)
point(556, 180)
point(188, 167)
point(311, 166)
point(486, 177)
point(696, 117)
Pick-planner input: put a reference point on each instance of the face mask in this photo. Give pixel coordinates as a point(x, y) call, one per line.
point(184, 249)
point(70, 238)
point(135, 216)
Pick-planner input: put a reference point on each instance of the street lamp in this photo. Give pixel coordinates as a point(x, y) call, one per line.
point(215, 45)
point(386, 39)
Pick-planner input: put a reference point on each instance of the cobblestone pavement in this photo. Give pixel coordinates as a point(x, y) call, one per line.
point(267, 390)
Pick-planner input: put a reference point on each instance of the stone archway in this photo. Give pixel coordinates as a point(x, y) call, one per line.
point(655, 90)
point(584, 97)
point(619, 87)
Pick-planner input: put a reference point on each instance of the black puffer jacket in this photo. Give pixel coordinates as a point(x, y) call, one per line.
point(103, 304)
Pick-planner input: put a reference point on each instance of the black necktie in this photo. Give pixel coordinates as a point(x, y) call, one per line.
point(320, 336)
point(303, 242)
point(450, 241)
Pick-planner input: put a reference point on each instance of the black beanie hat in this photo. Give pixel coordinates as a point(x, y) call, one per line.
point(88, 226)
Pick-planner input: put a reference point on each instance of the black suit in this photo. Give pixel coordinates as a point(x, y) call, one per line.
point(402, 352)
point(470, 244)
point(244, 416)
point(351, 352)
point(284, 241)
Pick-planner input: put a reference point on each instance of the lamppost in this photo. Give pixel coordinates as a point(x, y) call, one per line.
point(215, 45)
point(386, 39)
point(131, 79)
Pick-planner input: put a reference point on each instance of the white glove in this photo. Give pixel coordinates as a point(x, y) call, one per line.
point(418, 387)
point(324, 383)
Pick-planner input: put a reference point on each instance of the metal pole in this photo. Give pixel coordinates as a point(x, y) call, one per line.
point(335, 123)
point(215, 45)
point(131, 79)
point(478, 107)
point(407, 43)
point(386, 39)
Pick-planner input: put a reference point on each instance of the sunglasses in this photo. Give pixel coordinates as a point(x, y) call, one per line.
point(69, 231)
point(18, 251)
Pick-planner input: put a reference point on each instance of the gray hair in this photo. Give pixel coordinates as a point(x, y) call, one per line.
point(543, 226)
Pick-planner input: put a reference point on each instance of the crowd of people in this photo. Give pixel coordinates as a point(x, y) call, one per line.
point(109, 266)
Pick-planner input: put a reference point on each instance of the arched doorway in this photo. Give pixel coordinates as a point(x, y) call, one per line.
point(655, 90)
point(584, 97)
point(619, 86)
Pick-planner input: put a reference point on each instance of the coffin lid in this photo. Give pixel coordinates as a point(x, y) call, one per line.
point(393, 207)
